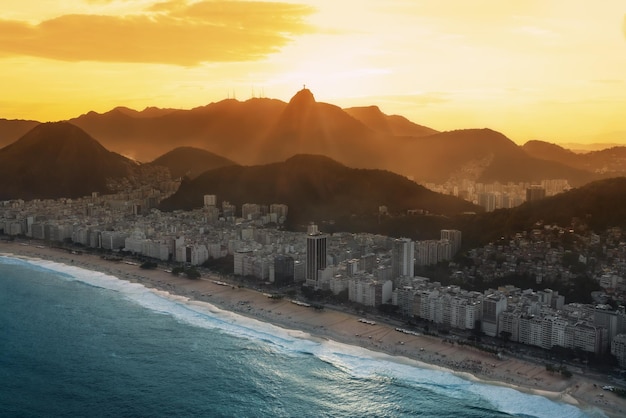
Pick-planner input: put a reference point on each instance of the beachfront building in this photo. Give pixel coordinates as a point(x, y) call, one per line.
point(113, 240)
point(194, 254)
point(549, 328)
point(316, 252)
point(366, 290)
point(493, 304)
point(282, 269)
point(613, 320)
point(449, 306)
point(618, 349)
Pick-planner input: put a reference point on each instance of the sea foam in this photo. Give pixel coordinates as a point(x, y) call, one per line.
point(355, 361)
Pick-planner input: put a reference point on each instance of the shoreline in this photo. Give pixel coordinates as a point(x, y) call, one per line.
point(343, 327)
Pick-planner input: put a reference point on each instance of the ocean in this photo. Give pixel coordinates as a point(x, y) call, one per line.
point(74, 342)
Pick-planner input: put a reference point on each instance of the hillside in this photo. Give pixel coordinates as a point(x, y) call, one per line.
point(479, 154)
point(13, 129)
point(315, 188)
point(606, 162)
point(306, 126)
point(58, 160)
point(395, 125)
point(262, 131)
point(600, 204)
point(229, 128)
point(190, 162)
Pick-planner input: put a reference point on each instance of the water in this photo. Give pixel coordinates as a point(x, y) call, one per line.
point(79, 343)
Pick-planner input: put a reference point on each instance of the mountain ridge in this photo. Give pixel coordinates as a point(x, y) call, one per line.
point(261, 131)
point(190, 162)
point(316, 188)
point(58, 159)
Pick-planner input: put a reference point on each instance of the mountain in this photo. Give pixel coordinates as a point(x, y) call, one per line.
point(482, 155)
point(263, 131)
point(229, 128)
point(55, 160)
point(148, 112)
point(306, 126)
point(395, 125)
point(12, 129)
point(190, 162)
point(315, 188)
point(600, 204)
point(606, 162)
point(553, 152)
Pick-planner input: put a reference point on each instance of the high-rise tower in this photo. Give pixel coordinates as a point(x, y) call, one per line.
point(403, 258)
point(315, 254)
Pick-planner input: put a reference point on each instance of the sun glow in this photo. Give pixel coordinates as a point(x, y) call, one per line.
point(551, 70)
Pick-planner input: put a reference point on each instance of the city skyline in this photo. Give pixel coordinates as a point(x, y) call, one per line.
point(543, 70)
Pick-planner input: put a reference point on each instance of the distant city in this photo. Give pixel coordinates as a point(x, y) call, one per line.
point(492, 196)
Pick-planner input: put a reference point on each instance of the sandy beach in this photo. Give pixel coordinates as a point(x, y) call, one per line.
point(581, 390)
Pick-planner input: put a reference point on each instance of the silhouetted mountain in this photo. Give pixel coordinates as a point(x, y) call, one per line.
point(229, 128)
point(58, 160)
point(261, 131)
point(148, 112)
point(600, 204)
point(308, 127)
point(190, 162)
point(607, 162)
point(315, 188)
point(552, 152)
point(12, 129)
point(479, 154)
point(395, 125)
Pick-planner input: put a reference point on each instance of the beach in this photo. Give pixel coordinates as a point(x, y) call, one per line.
point(372, 333)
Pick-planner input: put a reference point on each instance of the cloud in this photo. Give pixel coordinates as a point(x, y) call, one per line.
point(174, 32)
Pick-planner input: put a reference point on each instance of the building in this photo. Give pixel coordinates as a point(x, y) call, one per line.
point(534, 193)
point(367, 291)
point(279, 209)
point(492, 306)
point(250, 211)
point(316, 251)
point(283, 270)
point(242, 263)
point(402, 258)
point(618, 349)
point(487, 201)
point(454, 237)
point(113, 240)
point(210, 200)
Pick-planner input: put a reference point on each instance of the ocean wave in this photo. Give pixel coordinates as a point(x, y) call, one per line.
point(357, 362)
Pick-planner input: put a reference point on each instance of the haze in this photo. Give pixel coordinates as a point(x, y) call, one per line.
point(551, 70)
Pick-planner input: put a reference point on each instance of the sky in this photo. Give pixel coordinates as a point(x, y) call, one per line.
point(553, 70)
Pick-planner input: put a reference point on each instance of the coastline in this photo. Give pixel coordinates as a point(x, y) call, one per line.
point(427, 351)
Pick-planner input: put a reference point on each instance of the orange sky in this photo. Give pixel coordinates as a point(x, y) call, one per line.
point(534, 69)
